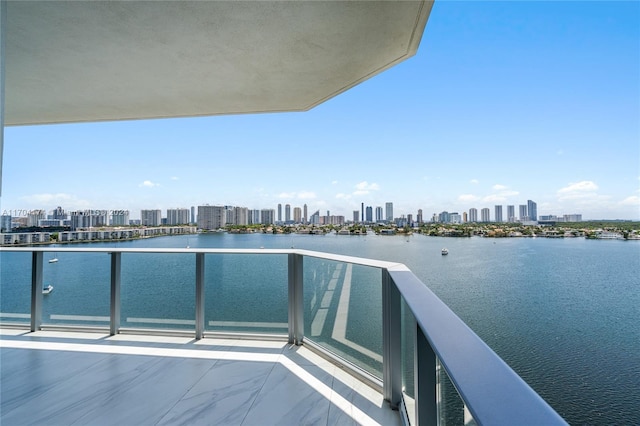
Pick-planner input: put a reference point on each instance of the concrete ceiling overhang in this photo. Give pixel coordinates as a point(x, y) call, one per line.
point(79, 61)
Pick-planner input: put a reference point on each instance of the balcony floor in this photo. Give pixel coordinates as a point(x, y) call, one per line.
point(50, 377)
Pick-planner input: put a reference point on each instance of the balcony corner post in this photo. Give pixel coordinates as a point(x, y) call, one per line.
point(391, 344)
point(114, 312)
point(296, 301)
point(199, 296)
point(36, 290)
point(425, 381)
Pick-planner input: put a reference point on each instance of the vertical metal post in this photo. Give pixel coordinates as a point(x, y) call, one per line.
point(36, 290)
point(391, 342)
point(296, 301)
point(199, 295)
point(114, 314)
point(425, 381)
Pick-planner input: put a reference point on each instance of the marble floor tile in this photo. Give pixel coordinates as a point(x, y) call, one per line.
point(27, 376)
point(292, 399)
point(156, 388)
point(222, 396)
point(52, 378)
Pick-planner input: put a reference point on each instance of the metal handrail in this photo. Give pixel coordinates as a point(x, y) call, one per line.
point(492, 392)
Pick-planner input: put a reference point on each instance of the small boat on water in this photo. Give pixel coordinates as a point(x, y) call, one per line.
point(445, 251)
point(48, 289)
point(54, 260)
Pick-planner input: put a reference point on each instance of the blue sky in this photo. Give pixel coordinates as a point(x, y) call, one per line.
point(504, 102)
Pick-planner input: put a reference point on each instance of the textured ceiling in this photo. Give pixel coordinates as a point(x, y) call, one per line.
point(113, 60)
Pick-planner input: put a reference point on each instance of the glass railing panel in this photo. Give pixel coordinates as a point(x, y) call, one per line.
point(158, 290)
point(407, 341)
point(343, 310)
point(15, 287)
point(246, 293)
point(450, 406)
point(79, 289)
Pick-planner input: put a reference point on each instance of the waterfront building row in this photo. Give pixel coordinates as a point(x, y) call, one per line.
point(94, 235)
point(231, 215)
point(25, 238)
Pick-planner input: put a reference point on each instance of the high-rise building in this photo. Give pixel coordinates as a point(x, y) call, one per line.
point(120, 217)
point(5, 223)
point(254, 217)
point(443, 217)
point(369, 214)
point(150, 217)
point(572, 218)
point(389, 212)
point(178, 216)
point(362, 210)
point(315, 218)
point(485, 215)
point(532, 209)
point(34, 217)
point(523, 213)
point(473, 215)
point(58, 213)
point(211, 217)
point(498, 215)
point(297, 215)
point(267, 216)
point(511, 214)
point(378, 214)
point(279, 212)
point(419, 218)
point(356, 216)
point(465, 217)
point(287, 213)
point(88, 218)
point(304, 214)
point(335, 220)
point(455, 217)
point(240, 216)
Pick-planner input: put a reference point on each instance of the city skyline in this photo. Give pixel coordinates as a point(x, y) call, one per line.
point(502, 102)
point(184, 215)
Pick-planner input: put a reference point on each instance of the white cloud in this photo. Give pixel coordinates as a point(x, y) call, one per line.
point(148, 184)
point(46, 198)
point(69, 201)
point(306, 195)
point(585, 189)
point(466, 198)
point(303, 195)
point(633, 200)
point(501, 195)
point(474, 181)
point(585, 185)
point(334, 182)
point(495, 198)
point(366, 186)
point(175, 178)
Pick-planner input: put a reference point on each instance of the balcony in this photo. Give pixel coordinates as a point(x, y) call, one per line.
point(237, 336)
